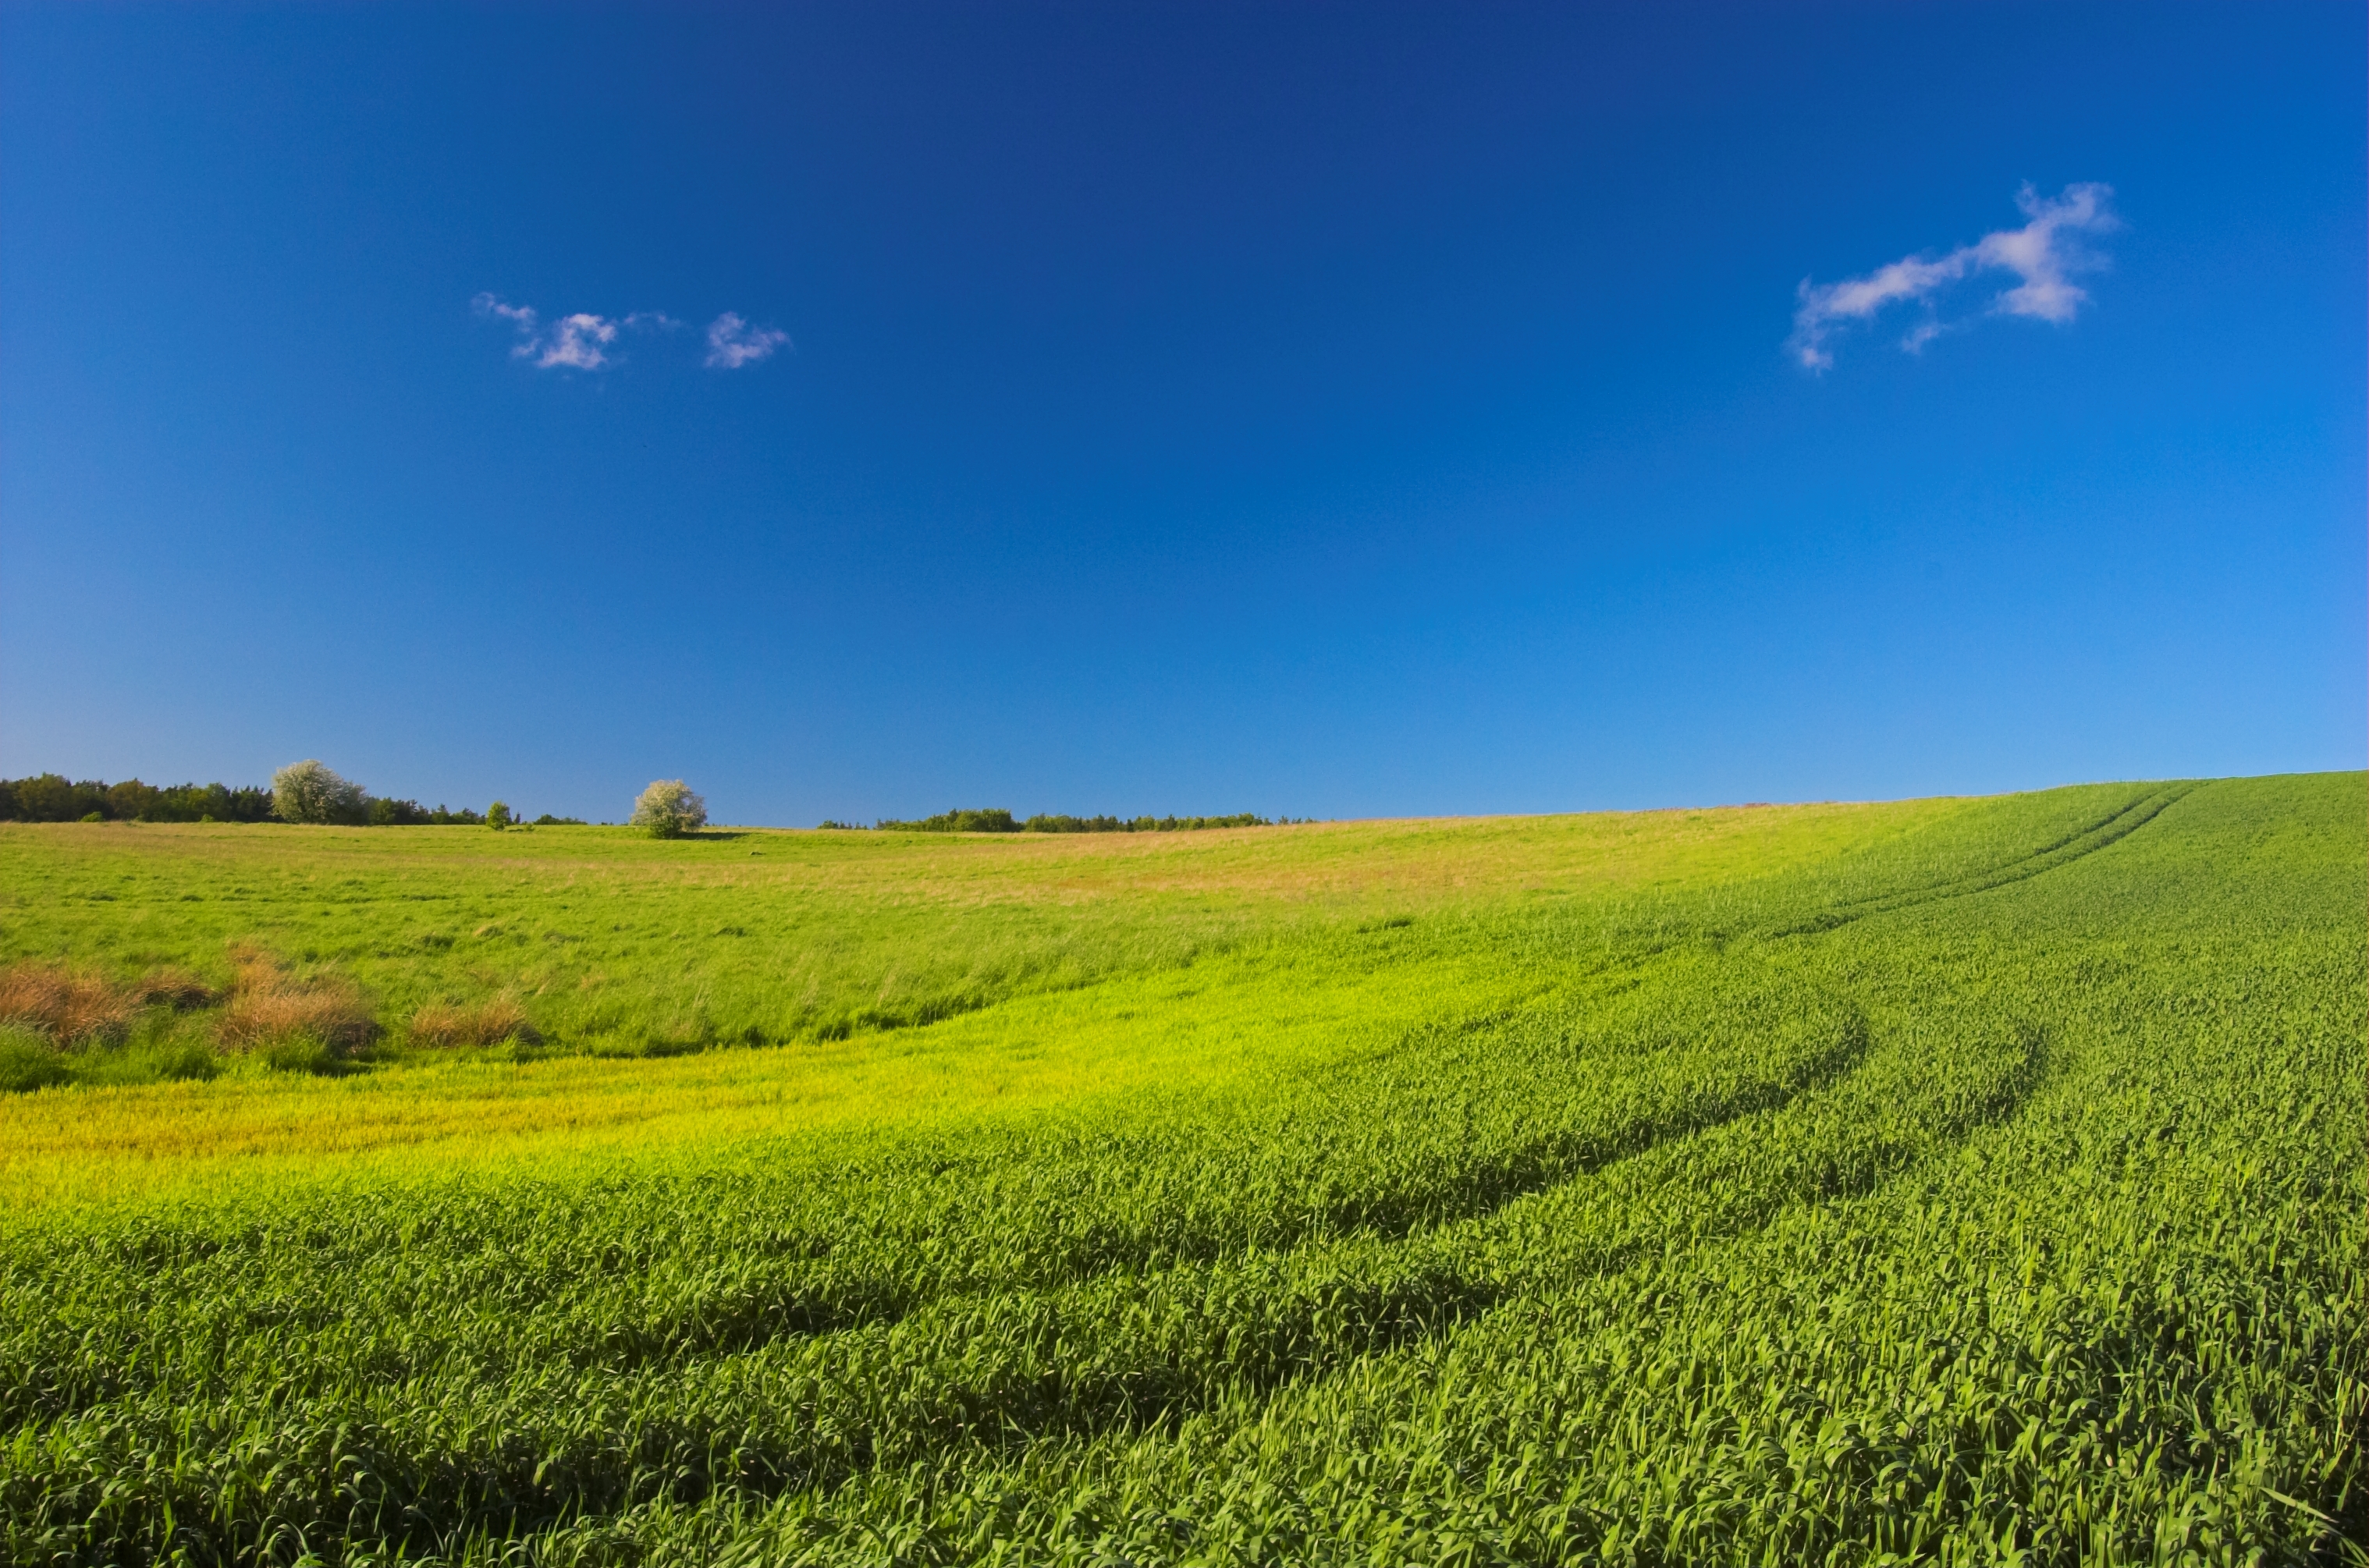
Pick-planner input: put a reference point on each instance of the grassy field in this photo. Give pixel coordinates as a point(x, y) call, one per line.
point(1962, 1181)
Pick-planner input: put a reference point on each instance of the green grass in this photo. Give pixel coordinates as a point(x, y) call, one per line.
point(1972, 1180)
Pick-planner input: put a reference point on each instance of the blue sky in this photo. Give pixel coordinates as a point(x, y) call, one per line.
point(1311, 409)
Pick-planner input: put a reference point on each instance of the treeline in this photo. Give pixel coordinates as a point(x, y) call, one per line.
point(51, 797)
point(997, 820)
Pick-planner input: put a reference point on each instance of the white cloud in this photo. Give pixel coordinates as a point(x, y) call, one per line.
point(582, 342)
point(732, 342)
point(579, 341)
point(2043, 254)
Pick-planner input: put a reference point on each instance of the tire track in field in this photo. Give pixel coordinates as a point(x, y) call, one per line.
point(1327, 1305)
point(814, 1286)
point(979, 1377)
point(2109, 829)
point(803, 1282)
point(972, 1372)
point(1472, 1191)
point(987, 1377)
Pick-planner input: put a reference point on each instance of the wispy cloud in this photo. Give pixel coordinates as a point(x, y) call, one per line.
point(583, 341)
point(579, 341)
point(732, 342)
point(2043, 254)
point(518, 316)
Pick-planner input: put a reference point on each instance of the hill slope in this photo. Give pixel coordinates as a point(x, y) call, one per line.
point(1958, 1181)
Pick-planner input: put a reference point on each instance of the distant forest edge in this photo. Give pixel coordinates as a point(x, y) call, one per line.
point(997, 820)
point(53, 798)
point(50, 797)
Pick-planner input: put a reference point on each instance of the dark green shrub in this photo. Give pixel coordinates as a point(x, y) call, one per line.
point(28, 1062)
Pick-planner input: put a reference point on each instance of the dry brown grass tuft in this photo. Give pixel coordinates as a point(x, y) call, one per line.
point(330, 1012)
point(176, 989)
point(487, 1024)
point(64, 1004)
point(254, 968)
point(269, 1004)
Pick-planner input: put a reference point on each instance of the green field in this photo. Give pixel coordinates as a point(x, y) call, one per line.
point(1957, 1180)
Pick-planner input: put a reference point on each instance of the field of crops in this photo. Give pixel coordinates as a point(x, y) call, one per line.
point(1974, 1181)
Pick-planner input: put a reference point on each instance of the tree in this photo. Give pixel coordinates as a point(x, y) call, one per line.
point(498, 815)
point(48, 797)
point(668, 809)
point(307, 791)
point(385, 812)
point(132, 799)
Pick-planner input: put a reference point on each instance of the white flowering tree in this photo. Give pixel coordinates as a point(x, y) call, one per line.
point(668, 809)
point(308, 792)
